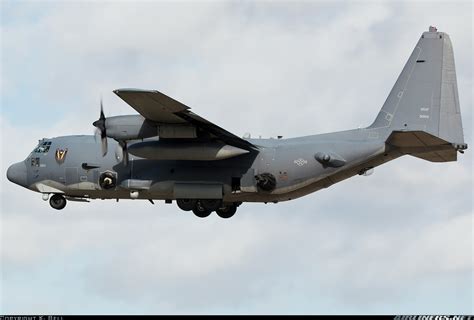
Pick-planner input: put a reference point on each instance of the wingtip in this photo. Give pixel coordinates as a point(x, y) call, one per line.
point(117, 91)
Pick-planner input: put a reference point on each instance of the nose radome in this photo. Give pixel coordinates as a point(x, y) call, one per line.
point(16, 173)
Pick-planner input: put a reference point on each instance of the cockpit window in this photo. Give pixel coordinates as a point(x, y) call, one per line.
point(43, 147)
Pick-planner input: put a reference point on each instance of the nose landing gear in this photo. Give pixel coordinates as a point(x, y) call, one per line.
point(57, 201)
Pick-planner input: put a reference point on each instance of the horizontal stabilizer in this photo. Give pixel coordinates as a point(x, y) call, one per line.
point(423, 145)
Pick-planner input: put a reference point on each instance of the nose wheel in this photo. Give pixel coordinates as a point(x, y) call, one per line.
point(57, 202)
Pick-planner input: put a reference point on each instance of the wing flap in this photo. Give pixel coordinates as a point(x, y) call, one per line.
point(215, 130)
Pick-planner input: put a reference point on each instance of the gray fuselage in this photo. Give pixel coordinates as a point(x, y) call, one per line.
point(293, 162)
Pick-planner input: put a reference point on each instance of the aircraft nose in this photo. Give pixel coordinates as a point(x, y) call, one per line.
point(16, 173)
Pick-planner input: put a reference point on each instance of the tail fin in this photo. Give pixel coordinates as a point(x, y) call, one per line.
point(425, 99)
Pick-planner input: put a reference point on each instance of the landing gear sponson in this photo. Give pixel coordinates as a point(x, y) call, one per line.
point(201, 208)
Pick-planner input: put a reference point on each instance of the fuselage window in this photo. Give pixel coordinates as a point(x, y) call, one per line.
point(35, 162)
point(43, 147)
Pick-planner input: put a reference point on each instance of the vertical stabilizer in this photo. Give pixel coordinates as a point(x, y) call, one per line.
point(425, 96)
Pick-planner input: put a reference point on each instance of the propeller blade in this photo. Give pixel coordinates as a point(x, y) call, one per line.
point(102, 115)
point(104, 146)
point(123, 144)
point(96, 134)
point(100, 125)
point(125, 159)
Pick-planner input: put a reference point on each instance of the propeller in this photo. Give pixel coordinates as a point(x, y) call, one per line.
point(102, 131)
point(123, 144)
point(100, 125)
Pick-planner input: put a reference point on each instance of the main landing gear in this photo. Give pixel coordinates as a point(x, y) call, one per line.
point(203, 208)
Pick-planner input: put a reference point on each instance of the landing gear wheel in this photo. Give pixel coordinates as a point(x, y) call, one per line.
point(211, 204)
point(186, 204)
point(57, 201)
point(227, 211)
point(200, 211)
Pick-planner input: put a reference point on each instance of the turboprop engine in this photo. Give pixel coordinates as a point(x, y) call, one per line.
point(136, 127)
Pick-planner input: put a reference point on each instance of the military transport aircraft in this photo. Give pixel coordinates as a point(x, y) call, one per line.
point(167, 152)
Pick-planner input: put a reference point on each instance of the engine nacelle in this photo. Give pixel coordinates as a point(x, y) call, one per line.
point(129, 127)
point(135, 127)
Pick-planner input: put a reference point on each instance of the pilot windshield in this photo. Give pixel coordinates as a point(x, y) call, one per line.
point(43, 147)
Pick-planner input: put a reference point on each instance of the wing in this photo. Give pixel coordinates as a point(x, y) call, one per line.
point(158, 107)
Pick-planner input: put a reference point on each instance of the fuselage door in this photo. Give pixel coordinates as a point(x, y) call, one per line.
point(71, 176)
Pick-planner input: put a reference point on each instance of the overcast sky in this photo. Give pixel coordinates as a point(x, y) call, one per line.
point(398, 241)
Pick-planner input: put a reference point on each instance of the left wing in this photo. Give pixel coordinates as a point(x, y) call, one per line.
point(158, 107)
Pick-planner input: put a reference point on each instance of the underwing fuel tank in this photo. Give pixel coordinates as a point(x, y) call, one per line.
point(164, 150)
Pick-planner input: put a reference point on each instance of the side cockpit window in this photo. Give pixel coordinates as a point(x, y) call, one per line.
point(43, 147)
